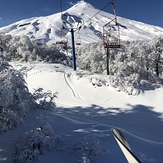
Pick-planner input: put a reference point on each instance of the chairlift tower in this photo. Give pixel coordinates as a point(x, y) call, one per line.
point(111, 36)
point(72, 30)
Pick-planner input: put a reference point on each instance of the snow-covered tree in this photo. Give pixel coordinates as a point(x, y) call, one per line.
point(134, 62)
point(15, 99)
point(36, 142)
point(23, 49)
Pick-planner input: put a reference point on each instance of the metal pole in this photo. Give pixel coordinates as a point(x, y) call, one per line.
point(73, 50)
point(108, 60)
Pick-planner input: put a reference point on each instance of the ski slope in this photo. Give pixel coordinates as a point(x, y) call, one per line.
point(87, 110)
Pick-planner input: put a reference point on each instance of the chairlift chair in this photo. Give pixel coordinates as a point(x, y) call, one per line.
point(64, 40)
point(111, 35)
point(78, 43)
point(78, 40)
point(111, 32)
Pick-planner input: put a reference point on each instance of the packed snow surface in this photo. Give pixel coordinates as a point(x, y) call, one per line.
point(87, 110)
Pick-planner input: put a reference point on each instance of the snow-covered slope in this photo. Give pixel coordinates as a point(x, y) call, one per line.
point(84, 110)
point(49, 27)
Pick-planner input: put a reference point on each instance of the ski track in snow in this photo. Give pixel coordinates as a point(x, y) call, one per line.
point(95, 122)
point(62, 101)
point(71, 85)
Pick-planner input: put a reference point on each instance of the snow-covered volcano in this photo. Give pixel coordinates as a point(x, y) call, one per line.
point(49, 27)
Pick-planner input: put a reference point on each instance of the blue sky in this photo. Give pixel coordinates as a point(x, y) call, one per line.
point(147, 11)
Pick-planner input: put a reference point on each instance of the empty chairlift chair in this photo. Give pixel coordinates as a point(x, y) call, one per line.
point(111, 33)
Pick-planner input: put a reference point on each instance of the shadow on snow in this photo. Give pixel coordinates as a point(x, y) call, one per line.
point(142, 127)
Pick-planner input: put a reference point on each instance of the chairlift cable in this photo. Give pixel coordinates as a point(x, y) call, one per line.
point(86, 20)
point(94, 15)
point(61, 6)
point(98, 12)
point(61, 15)
point(61, 12)
point(64, 41)
point(91, 16)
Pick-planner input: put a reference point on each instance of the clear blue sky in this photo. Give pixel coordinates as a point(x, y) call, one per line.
point(147, 11)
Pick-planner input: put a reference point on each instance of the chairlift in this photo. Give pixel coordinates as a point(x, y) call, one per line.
point(64, 40)
point(111, 32)
point(78, 40)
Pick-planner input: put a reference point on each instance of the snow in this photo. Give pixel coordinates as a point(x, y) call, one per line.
point(49, 27)
point(87, 107)
point(85, 110)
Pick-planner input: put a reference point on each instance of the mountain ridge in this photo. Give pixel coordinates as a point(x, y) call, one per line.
point(49, 27)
